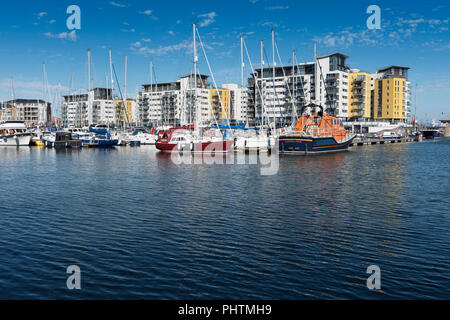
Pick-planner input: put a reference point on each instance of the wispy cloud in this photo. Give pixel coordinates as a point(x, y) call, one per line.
point(392, 33)
point(138, 48)
point(63, 35)
point(272, 8)
point(438, 8)
point(27, 88)
point(148, 13)
point(116, 4)
point(269, 24)
point(207, 19)
point(40, 15)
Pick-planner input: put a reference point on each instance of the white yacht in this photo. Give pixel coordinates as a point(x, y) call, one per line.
point(14, 133)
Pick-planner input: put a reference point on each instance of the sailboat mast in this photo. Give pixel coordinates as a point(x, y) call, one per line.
point(262, 84)
point(242, 62)
point(89, 69)
point(124, 100)
point(273, 73)
point(197, 109)
point(111, 73)
point(151, 80)
point(294, 102)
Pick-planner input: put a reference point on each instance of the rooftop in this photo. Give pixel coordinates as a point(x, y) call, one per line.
point(392, 67)
point(332, 54)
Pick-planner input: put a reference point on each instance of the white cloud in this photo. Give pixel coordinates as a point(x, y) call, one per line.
point(32, 89)
point(162, 50)
point(208, 18)
point(272, 8)
point(269, 24)
point(171, 32)
point(148, 13)
point(115, 4)
point(136, 44)
point(40, 15)
point(52, 21)
point(63, 35)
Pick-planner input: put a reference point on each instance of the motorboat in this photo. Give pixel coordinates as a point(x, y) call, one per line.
point(14, 133)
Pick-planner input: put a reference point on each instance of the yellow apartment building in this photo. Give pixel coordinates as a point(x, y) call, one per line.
point(125, 115)
point(359, 95)
point(219, 109)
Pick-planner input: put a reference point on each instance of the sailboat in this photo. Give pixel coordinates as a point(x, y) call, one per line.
point(264, 139)
point(197, 138)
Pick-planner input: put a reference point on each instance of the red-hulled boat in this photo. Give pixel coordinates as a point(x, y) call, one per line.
point(184, 139)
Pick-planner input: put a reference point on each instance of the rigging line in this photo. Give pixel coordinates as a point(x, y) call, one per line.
point(303, 84)
point(214, 80)
point(274, 89)
point(256, 82)
point(285, 79)
point(121, 96)
point(325, 86)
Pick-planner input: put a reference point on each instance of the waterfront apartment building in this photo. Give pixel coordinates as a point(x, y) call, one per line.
point(96, 106)
point(285, 92)
point(125, 114)
point(31, 111)
point(360, 94)
point(391, 94)
point(238, 102)
point(175, 103)
point(220, 104)
point(332, 89)
point(278, 96)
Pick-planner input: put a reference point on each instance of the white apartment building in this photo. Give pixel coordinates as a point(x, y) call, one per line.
point(94, 107)
point(238, 101)
point(332, 89)
point(31, 111)
point(282, 94)
point(174, 103)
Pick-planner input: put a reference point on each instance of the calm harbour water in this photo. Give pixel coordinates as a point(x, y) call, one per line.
point(140, 226)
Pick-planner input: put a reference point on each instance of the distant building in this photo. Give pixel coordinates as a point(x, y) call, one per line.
point(281, 93)
point(94, 107)
point(238, 102)
point(31, 111)
point(360, 94)
point(126, 114)
point(332, 83)
point(174, 103)
point(220, 104)
point(391, 95)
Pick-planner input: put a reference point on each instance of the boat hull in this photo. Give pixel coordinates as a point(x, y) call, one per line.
point(17, 140)
point(311, 145)
point(196, 147)
point(100, 143)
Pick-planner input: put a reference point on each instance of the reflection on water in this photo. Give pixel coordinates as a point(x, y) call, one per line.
point(141, 226)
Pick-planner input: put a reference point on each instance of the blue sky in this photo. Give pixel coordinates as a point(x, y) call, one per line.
point(414, 34)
